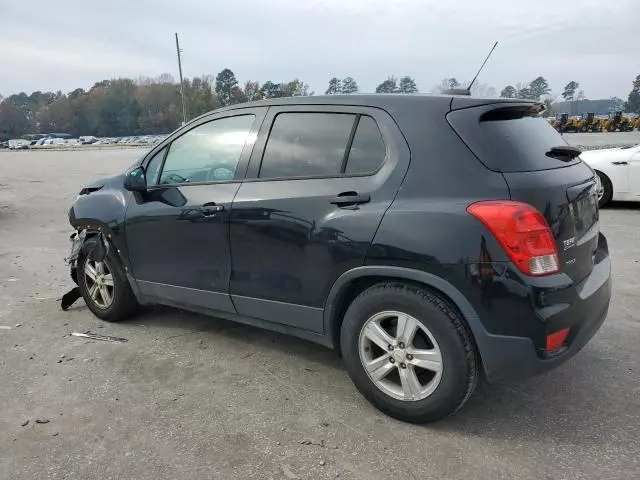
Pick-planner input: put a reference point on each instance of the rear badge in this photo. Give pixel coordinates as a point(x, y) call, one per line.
point(571, 262)
point(571, 242)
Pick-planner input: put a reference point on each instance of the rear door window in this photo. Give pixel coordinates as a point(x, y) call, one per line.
point(509, 138)
point(306, 145)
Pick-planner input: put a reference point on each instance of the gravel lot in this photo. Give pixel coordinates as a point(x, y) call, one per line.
point(191, 397)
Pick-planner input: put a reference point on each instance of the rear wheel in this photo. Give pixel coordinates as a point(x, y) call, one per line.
point(103, 284)
point(604, 189)
point(408, 352)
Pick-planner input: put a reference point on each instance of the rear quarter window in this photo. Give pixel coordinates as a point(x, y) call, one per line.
point(509, 138)
point(368, 150)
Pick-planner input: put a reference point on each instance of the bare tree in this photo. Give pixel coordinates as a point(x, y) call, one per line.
point(252, 90)
point(446, 84)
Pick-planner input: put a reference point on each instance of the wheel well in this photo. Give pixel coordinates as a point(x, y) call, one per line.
point(359, 285)
point(605, 177)
point(600, 172)
point(346, 296)
point(96, 233)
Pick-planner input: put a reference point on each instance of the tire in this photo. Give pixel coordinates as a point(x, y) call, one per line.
point(123, 301)
point(448, 333)
point(607, 189)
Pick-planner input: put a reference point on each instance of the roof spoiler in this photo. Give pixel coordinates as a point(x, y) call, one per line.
point(507, 111)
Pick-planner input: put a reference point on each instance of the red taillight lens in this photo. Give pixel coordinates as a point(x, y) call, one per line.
point(555, 340)
point(523, 233)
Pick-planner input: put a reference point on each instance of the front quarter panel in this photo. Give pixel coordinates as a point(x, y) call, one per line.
point(608, 162)
point(103, 210)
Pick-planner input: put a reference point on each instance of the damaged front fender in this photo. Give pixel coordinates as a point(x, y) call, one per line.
point(99, 210)
point(78, 239)
point(98, 251)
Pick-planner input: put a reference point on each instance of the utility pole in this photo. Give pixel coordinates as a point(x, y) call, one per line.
point(184, 110)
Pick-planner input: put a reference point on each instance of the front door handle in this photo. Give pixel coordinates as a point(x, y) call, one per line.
point(210, 209)
point(620, 163)
point(350, 198)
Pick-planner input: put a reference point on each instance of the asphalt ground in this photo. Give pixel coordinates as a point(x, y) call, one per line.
point(193, 397)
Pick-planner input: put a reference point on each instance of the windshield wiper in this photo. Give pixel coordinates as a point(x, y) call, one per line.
point(565, 153)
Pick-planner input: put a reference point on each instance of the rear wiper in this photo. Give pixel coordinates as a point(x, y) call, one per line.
point(565, 153)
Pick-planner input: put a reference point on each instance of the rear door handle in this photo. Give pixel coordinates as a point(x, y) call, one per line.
point(350, 198)
point(620, 163)
point(210, 209)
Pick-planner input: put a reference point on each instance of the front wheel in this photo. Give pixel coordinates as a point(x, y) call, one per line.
point(408, 352)
point(103, 284)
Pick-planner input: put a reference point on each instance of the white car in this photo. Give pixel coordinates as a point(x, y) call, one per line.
point(619, 172)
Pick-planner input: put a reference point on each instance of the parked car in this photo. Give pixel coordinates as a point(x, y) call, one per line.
point(54, 141)
point(432, 240)
point(618, 172)
point(18, 144)
point(88, 139)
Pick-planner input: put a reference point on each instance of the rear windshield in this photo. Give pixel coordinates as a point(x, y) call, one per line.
point(509, 139)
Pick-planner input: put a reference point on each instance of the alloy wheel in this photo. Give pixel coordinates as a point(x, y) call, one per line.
point(400, 356)
point(99, 281)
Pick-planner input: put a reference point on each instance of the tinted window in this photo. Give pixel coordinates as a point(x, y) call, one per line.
point(306, 144)
point(509, 139)
point(153, 167)
point(368, 150)
point(210, 152)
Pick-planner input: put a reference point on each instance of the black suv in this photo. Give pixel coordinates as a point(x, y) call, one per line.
point(432, 240)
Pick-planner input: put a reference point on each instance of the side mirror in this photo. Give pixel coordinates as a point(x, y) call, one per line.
point(135, 180)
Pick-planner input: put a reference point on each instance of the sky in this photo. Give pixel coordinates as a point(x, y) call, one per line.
point(67, 44)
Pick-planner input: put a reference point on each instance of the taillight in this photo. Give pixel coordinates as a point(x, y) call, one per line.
point(523, 233)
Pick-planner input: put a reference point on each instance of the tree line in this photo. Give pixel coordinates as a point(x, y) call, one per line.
point(538, 89)
point(124, 106)
point(348, 85)
point(147, 105)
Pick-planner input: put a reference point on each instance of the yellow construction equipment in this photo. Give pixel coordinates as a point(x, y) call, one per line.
point(561, 122)
point(618, 122)
point(557, 122)
point(589, 123)
point(564, 123)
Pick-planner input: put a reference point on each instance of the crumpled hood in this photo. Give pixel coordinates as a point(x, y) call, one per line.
point(100, 203)
point(115, 181)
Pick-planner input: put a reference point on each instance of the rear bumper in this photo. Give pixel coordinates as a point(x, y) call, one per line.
point(507, 358)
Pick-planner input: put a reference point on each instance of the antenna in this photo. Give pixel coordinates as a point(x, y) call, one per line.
point(481, 67)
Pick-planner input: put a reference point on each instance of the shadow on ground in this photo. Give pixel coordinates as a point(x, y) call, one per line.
point(557, 406)
point(622, 206)
point(193, 323)
point(548, 406)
